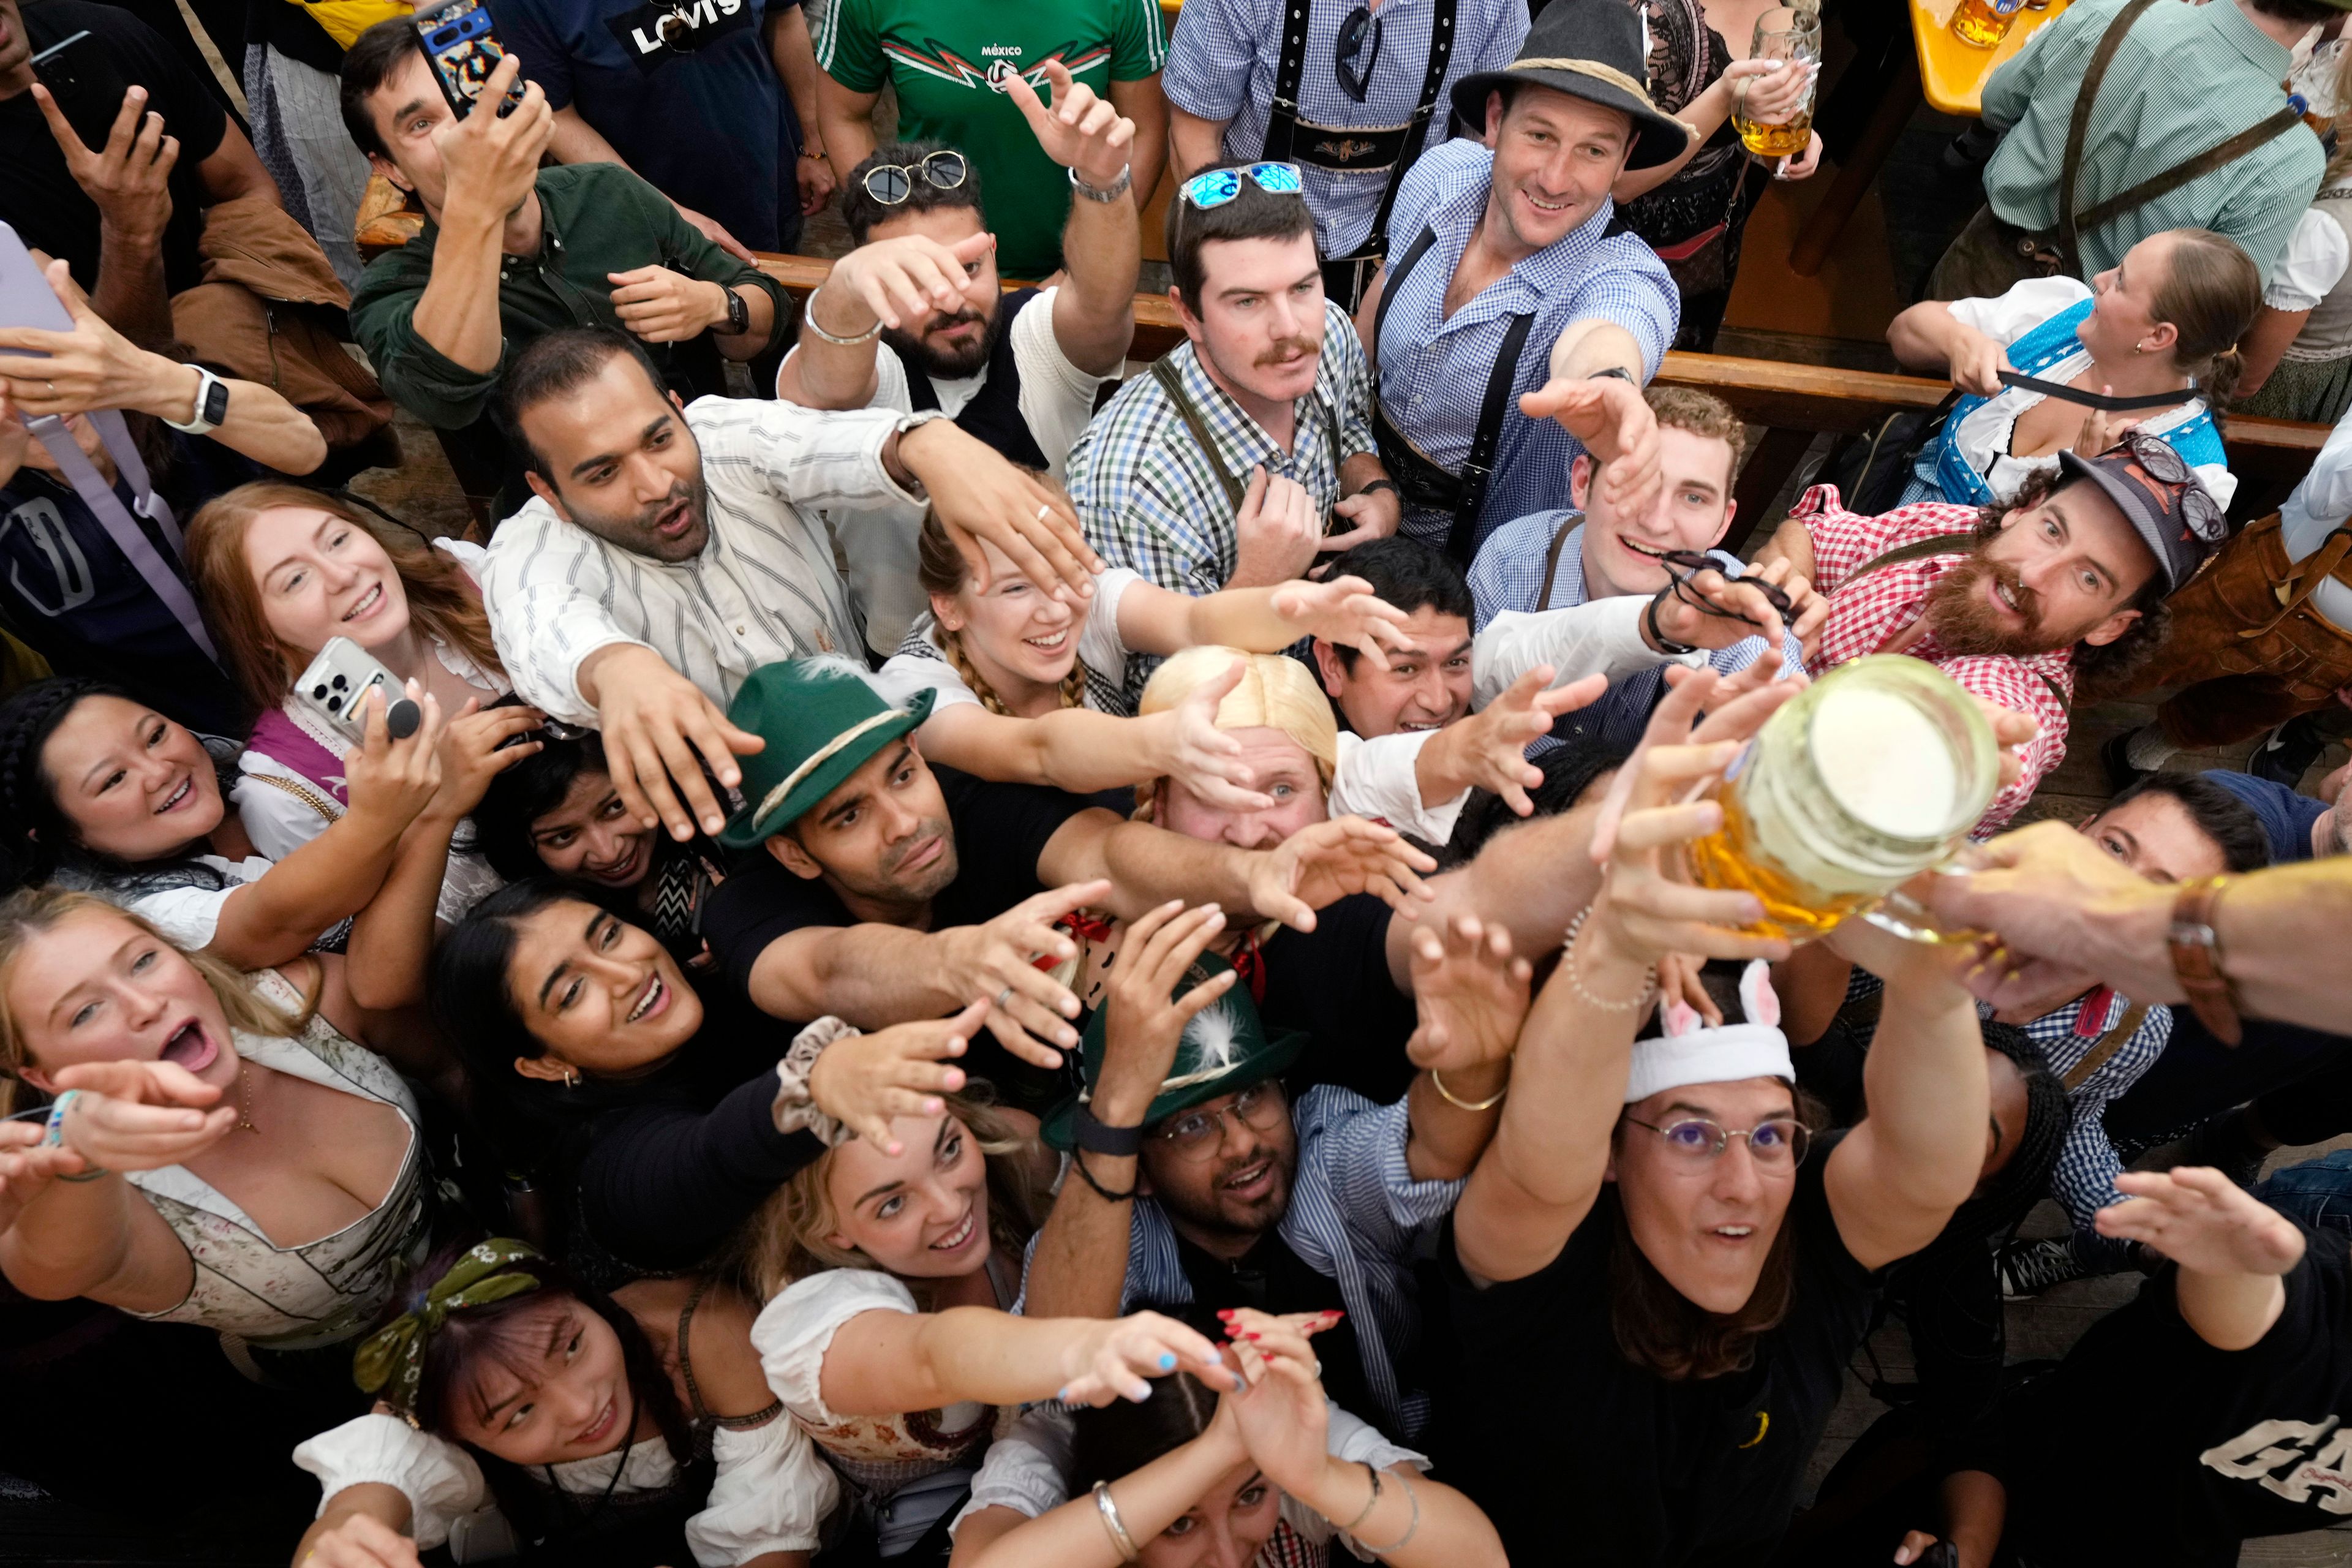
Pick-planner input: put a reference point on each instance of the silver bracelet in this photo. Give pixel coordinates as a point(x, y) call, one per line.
point(1402, 1542)
point(1370, 1504)
point(1120, 1539)
point(808, 316)
point(1104, 194)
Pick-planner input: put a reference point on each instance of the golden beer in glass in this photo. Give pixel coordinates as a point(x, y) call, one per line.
point(1872, 774)
point(1783, 33)
point(1985, 23)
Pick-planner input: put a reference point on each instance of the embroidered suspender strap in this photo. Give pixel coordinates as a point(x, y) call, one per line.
point(2078, 127)
point(2109, 1044)
point(1163, 371)
point(1478, 468)
point(1551, 558)
point(1282, 124)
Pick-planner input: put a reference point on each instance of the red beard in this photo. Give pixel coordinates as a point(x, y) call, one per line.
point(1963, 621)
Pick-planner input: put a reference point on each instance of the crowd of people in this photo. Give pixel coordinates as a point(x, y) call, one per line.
point(869, 971)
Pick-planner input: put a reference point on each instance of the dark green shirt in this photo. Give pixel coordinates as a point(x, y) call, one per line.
point(597, 218)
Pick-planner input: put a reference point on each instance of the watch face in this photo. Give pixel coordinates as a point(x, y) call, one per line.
point(215, 408)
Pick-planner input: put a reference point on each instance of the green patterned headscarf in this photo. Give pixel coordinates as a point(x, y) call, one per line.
point(393, 1359)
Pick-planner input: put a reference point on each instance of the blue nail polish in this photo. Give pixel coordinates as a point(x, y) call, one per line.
point(1166, 1360)
point(1060, 1394)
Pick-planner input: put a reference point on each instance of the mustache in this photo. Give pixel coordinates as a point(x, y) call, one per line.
point(966, 318)
point(1286, 350)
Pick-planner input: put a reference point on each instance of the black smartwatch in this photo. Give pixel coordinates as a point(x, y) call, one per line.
point(738, 314)
point(1099, 1138)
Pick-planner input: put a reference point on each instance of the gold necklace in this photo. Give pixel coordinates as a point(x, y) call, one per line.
point(245, 1100)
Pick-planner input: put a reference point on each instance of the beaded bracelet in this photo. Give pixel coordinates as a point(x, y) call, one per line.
point(53, 1136)
point(1576, 979)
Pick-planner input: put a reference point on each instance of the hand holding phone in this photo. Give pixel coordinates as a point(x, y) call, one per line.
point(492, 161)
point(459, 39)
point(335, 687)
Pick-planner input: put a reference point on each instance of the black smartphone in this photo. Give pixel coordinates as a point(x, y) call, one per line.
point(81, 75)
point(458, 40)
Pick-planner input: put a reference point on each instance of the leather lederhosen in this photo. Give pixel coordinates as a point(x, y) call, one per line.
point(1421, 481)
point(1353, 150)
point(993, 414)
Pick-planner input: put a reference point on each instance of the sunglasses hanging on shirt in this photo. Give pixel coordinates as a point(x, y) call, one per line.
point(1355, 81)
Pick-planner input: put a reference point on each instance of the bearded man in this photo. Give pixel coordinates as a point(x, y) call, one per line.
point(2015, 602)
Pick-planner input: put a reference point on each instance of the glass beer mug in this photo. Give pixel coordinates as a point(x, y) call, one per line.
point(1985, 23)
point(1869, 776)
point(1783, 33)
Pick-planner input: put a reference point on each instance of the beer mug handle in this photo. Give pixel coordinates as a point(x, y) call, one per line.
point(1901, 913)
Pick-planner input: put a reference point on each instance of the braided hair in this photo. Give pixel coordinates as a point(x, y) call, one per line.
point(942, 571)
point(40, 836)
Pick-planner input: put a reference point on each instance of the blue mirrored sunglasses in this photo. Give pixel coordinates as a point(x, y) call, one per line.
point(1218, 187)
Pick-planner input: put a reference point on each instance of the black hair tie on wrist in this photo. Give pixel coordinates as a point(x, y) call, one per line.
point(1078, 1158)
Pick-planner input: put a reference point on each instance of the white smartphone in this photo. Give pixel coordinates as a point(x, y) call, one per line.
point(336, 685)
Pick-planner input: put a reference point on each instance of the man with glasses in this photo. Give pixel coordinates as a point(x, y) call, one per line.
point(1020, 370)
point(1352, 97)
point(511, 252)
point(1598, 548)
point(951, 64)
point(2016, 602)
point(1248, 450)
point(1195, 1178)
point(710, 103)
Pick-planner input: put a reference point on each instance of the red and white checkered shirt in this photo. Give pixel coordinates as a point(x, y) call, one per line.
point(1866, 613)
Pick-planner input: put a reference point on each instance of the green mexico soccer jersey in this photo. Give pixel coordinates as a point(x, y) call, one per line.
point(947, 59)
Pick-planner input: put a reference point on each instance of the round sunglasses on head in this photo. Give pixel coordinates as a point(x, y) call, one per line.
point(891, 184)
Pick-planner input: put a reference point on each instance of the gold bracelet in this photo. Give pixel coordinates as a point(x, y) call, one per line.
point(1446, 1095)
point(1576, 979)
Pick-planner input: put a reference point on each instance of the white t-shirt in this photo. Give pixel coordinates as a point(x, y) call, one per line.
point(1057, 398)
point(1099, 649)
point(771, 1491)
point(2313, 263)
point(1984, 437)
point(1025, 1469)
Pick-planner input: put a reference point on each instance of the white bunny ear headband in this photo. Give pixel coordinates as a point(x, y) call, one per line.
point(1688, 1052)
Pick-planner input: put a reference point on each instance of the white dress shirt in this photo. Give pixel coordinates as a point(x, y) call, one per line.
point(767, 586)
point(2321, 504)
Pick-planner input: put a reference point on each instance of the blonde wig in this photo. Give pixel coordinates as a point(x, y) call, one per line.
point(1276, 692)
point(34, 913)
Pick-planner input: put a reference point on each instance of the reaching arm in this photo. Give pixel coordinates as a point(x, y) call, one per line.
point(1314, 867)
point(492, 161)
point(1193, 142)
point(794, 54)
point(1094, 310)
point(129, 181)
point(1930, 339)
point(1769, 89)
point(885, 1363)
point(2263, 344)
point(363, 1526)
point(1471, 994)
point(1148, 1501)
point(1790, 543)
point(2234, 1249)
point(1142, 101)
point(845, 122)
point(235, 170)
point(1895, 1180)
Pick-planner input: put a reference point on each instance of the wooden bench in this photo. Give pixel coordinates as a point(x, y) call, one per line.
point(1793, 402)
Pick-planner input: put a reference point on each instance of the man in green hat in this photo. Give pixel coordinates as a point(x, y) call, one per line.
point(894, 890)
point(1194, 1179)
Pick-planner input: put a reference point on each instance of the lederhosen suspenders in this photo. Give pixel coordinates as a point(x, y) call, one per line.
point(1946, 544)
point(1163, 371)
point(1421, 481)
point(1350, 150)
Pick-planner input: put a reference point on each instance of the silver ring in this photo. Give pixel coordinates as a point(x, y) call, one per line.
point(1044, 512)
point(1002, 997)
point(1318, 1366)
point(52, 386)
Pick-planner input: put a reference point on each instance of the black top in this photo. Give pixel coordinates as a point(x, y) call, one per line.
point(2221, 1445)
point(1333, 983)
point(38, 196)
point(1271, 1278)
point(1580, 1456)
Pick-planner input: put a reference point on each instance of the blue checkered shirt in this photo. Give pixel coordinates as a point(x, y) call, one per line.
point(2085, 1180)
point(1150, 500)
point(1222, 62)
point(1356, 1214)
point(1508, 576)
point(1433, 368)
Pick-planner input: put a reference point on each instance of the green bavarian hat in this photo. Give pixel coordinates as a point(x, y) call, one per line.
point(822, 721)
point(1225, 1048)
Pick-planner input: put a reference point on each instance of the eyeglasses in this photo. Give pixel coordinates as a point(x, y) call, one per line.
point(1197, 1134)
point(1218, 187)
point(891, 184)
point(1778, 1145)
point(1353, 82)
point(1682, 566)
point(2166, 467)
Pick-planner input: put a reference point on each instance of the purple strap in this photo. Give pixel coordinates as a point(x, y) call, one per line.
point(121, 527)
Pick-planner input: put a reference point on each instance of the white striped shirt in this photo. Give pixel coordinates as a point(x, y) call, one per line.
point(765, 587)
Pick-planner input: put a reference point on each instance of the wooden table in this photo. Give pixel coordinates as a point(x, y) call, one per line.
point(1953, 73)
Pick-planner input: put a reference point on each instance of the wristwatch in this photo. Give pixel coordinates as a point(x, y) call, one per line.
point(1104, 194)
point(1618, 371)
point(2196, 951)
point(1388, 485)
point(212, 404)
point(738, 315)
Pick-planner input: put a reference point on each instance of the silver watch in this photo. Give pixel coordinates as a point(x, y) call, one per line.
point(1104, 194)
point(212, 404)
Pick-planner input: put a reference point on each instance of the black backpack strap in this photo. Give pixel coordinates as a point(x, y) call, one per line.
point(1440, 53)
point(1478, 468)
point(1281, 125)
point(1163, 371)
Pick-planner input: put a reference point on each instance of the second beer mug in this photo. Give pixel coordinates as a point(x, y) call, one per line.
point(1794, 34)
point(1985, 23)
point(1871, 775)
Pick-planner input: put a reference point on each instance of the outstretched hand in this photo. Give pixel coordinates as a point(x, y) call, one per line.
point(1145, 1019)
point(1616, 426)
point(1080, 131)
point(2204, 1221)
point(863, 1080)
point(998, 959)
point(141, 1115)
point(1471, 994)
point(1347, 612)
point(1488, 750)
point(1323, 864)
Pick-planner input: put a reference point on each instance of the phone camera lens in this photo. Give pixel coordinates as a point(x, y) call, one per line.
point(340, 683)
point(318, 692)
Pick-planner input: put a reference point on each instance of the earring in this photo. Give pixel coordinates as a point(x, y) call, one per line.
point(571, 1077)
point(2140, 347)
